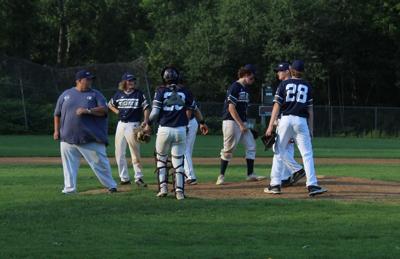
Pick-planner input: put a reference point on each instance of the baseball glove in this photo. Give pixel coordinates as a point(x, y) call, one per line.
point(255, 133)
point(268, 141)
point(141, 135)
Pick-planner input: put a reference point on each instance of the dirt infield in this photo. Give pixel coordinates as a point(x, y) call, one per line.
point(205, 160)
point(339, 188)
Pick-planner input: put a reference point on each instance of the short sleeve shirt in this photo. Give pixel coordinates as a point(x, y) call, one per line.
point(294, 96)
point(130, 105)
point(81, 129)
point(237, 95)
point(173, 105)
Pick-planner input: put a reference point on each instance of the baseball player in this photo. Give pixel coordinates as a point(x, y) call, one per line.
point(195, 120)
point(292, 174)
point(80, 123)
point(234, 125)
point(129, 103)
point(172, 106)
point(294, 101)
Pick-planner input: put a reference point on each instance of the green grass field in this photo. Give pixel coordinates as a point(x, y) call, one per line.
point(210, 146)
point(37, 221)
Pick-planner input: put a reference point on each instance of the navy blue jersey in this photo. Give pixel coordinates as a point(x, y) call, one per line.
point(294, 96)
point(238, 95)
point(173, 105)
point(130, 105)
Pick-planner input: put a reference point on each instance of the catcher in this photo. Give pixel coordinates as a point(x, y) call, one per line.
point(129, 103)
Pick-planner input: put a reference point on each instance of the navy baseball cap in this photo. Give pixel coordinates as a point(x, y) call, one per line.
point(282, 67)
point(298, 65)
point(128, 77)
point(84, 74)
point(251, 68)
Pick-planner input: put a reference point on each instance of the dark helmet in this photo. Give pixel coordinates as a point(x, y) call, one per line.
point(170, 75)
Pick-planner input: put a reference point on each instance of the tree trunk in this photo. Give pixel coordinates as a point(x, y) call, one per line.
point(62, 35)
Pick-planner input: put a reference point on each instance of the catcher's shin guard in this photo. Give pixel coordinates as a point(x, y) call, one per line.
point(162, 169)
point(179, 174)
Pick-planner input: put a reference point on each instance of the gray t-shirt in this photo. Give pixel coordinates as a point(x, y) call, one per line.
point(81, 129)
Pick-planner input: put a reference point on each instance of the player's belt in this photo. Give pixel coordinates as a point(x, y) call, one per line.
point(127, 121)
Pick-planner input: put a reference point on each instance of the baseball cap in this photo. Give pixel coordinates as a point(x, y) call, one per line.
point(298, 65)
point(128, 77)
point(84, 74)
point(251, 68)
point(282, 67)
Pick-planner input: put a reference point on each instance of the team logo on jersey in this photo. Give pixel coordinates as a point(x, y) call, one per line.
point(243, 97)
point(66, 97)
point(89, 97)
point(128, 103)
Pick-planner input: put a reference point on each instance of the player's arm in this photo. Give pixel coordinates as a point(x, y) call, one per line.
point(199, 117)
point(311, 120)
point(56, 134)
point(100, 110)
point(274, 116)
point(157, 105)
point(112, 107)
point(232, 110)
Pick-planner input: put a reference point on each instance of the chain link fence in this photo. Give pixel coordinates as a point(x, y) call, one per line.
point(28, 93)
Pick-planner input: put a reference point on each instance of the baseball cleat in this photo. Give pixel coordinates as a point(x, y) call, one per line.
point(179, 195)
point(253, 177)
point(298, 175)
point(139, 182)
point(191, 181)
point(125, 182)
point(163, 192)
point(287, 182)
point(276, 189)
point(112, 190)
point(220, 180)
point(315, 190)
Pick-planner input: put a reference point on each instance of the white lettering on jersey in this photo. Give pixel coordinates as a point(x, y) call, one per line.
point(130, 103)
point(243, 97)
point(296, 93)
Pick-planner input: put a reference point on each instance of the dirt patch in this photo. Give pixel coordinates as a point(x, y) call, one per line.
point(205, 160)
point(339, 188)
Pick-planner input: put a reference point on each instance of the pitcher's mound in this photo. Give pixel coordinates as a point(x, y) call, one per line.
point(341, 188)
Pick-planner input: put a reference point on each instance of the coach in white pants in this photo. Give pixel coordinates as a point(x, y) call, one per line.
point(80, 123)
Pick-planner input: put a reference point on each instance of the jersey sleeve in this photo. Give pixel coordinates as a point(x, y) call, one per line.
point(113, 100)
point(280, 94)
point(60, 101)
point(143, 101)
point(100, 100)
point(310, 97)
point(233, 94)
point(158, 99)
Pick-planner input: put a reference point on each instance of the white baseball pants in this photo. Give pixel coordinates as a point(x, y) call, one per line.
point(95, 154)
point(232, 136)
point(123, 136)
point(293, 165)
point(190, 139)
point(294, 127)
point(173, 139)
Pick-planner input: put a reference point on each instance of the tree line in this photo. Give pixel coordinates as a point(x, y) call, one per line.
point(351, 48)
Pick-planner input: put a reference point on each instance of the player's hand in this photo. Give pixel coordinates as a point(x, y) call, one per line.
point(268, 132)
point(204, 129)
point(56, 135)
point(147, 128)
point(243, 128)
point(81, 111)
